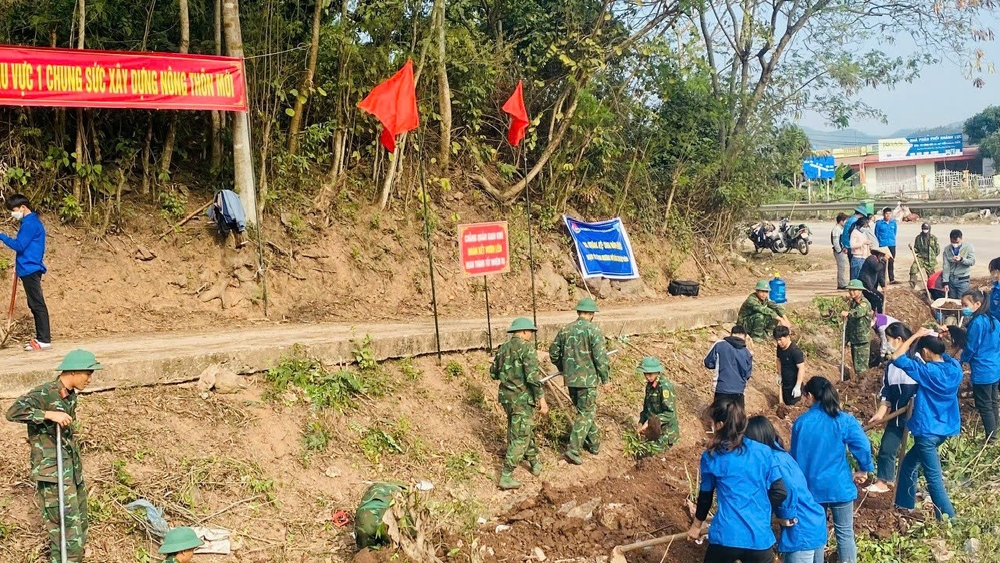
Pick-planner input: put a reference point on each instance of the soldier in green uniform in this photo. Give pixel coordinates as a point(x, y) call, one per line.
point(858, 317)
point(578, 351)
point(927, 249)
point(516, 368)
point(41, 409)
point(659, 406)
point(759, 315)
point(179, 545)
point(369, 530)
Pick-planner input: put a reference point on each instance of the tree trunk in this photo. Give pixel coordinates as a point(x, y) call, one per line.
point(340, 135)
point(305, 88)
point(147, 149)
point(242, 159)
point(217, 116)
point(168, 145)
point(80, 133)
point(444, 90)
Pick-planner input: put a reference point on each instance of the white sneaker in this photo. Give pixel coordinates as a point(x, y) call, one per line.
point(36, 346)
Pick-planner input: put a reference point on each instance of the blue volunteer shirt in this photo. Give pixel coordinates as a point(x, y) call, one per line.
point(741, 479)
point(885, 232)
point(818, 442)
point(29, 246)
point(809, 533)
point(982, 349)
point(935, 407)
point(995, 300)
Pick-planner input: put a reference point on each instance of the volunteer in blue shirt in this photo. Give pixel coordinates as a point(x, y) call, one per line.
point(30, 249)
point(935, 418)
point(745, 475)
point(885, 232)
point(994, 293)
point(819, 438)
point(897, 390)
point(982, 352)
point(802, 519)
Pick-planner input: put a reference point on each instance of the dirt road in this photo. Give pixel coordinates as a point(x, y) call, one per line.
point(167, 357)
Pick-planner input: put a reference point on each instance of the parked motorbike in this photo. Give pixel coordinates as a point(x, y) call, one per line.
point(766, 235)
point(797, 236)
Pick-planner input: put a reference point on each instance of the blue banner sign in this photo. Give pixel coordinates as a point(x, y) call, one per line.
point(819, 167)
point(603, 249)
point(929, 146)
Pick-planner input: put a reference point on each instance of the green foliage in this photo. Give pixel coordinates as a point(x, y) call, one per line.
point(142, 555)
point(475, 395)
point(462, 466)
point(830, 309)
point(983, 129)
point(381, 439)
point(555, 427)
point(316, 436)
point(172, 205)
point(307, 378)
point(410, 371)
point(70, 209)
point(364, 355)
point(635, 447)
point(454, 370)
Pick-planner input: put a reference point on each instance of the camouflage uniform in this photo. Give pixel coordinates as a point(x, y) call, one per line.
point(759, 317)
point(29, 409)
point(927, 250)
point(170, 559)
point(516, 368)
point(660, 403)
point(578, 351)
point(859, 334)
point(369, 531)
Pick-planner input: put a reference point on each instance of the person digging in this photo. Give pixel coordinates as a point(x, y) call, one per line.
point(579, 353)
point(516, 368)
point(179, 545)
point(658, 419)
point(858, 329)
point(42, 409)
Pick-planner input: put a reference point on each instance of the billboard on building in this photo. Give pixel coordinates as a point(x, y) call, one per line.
point(907, 148)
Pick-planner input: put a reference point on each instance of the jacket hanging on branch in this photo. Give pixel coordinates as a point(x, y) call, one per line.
point(227, 212)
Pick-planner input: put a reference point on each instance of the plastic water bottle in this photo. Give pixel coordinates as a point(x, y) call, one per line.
point(778, 289)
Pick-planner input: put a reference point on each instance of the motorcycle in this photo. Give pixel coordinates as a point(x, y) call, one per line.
point(798, 236)
point(766, 235)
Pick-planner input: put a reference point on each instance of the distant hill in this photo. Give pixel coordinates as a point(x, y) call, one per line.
point(839, 138)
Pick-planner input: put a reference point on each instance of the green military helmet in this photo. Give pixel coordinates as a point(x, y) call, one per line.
point(180, 539)
point(861, 209)
point(650, 364)
point(855, 284)
point(763, 285)
point(587, 305)
point(521, 323)
point(80, 360)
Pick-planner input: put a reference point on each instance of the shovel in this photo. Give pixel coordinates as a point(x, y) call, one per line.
point(618, 553)
point(62, 495)
point(843, 352)
point(923, 278)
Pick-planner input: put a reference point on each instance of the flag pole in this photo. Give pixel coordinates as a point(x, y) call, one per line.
point(489, 324)
point(430, 253)
point(531, 250)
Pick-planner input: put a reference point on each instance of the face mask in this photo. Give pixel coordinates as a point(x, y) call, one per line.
point(956, 244)
point(967, 311)
point(926, 232)
point(17, 215)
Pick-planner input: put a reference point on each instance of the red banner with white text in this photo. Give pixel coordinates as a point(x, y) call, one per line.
point(31, 76)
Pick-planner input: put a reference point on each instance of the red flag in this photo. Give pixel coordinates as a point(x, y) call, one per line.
point(519, 116)
point(394, 103)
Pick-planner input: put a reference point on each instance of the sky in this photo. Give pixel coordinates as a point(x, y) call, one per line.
point(941, 95)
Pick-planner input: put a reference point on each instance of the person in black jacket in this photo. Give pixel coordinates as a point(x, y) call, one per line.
point(872, 276)
point(732, 364)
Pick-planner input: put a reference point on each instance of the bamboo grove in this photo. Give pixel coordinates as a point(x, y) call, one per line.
point(673, 113)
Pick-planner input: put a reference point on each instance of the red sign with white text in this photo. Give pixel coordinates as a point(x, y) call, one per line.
point(483, 248)
point(31, 76)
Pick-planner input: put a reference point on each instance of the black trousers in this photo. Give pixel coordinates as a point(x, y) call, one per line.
point(985, 398)
point(722, 554)
point(892, 268)
point(36, 302)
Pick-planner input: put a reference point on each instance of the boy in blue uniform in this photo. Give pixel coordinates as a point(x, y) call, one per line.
point(935, 419)
point(995, 289)
point(802, 519)
point(885, 232)
point(982, 352)
point(30, 249)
